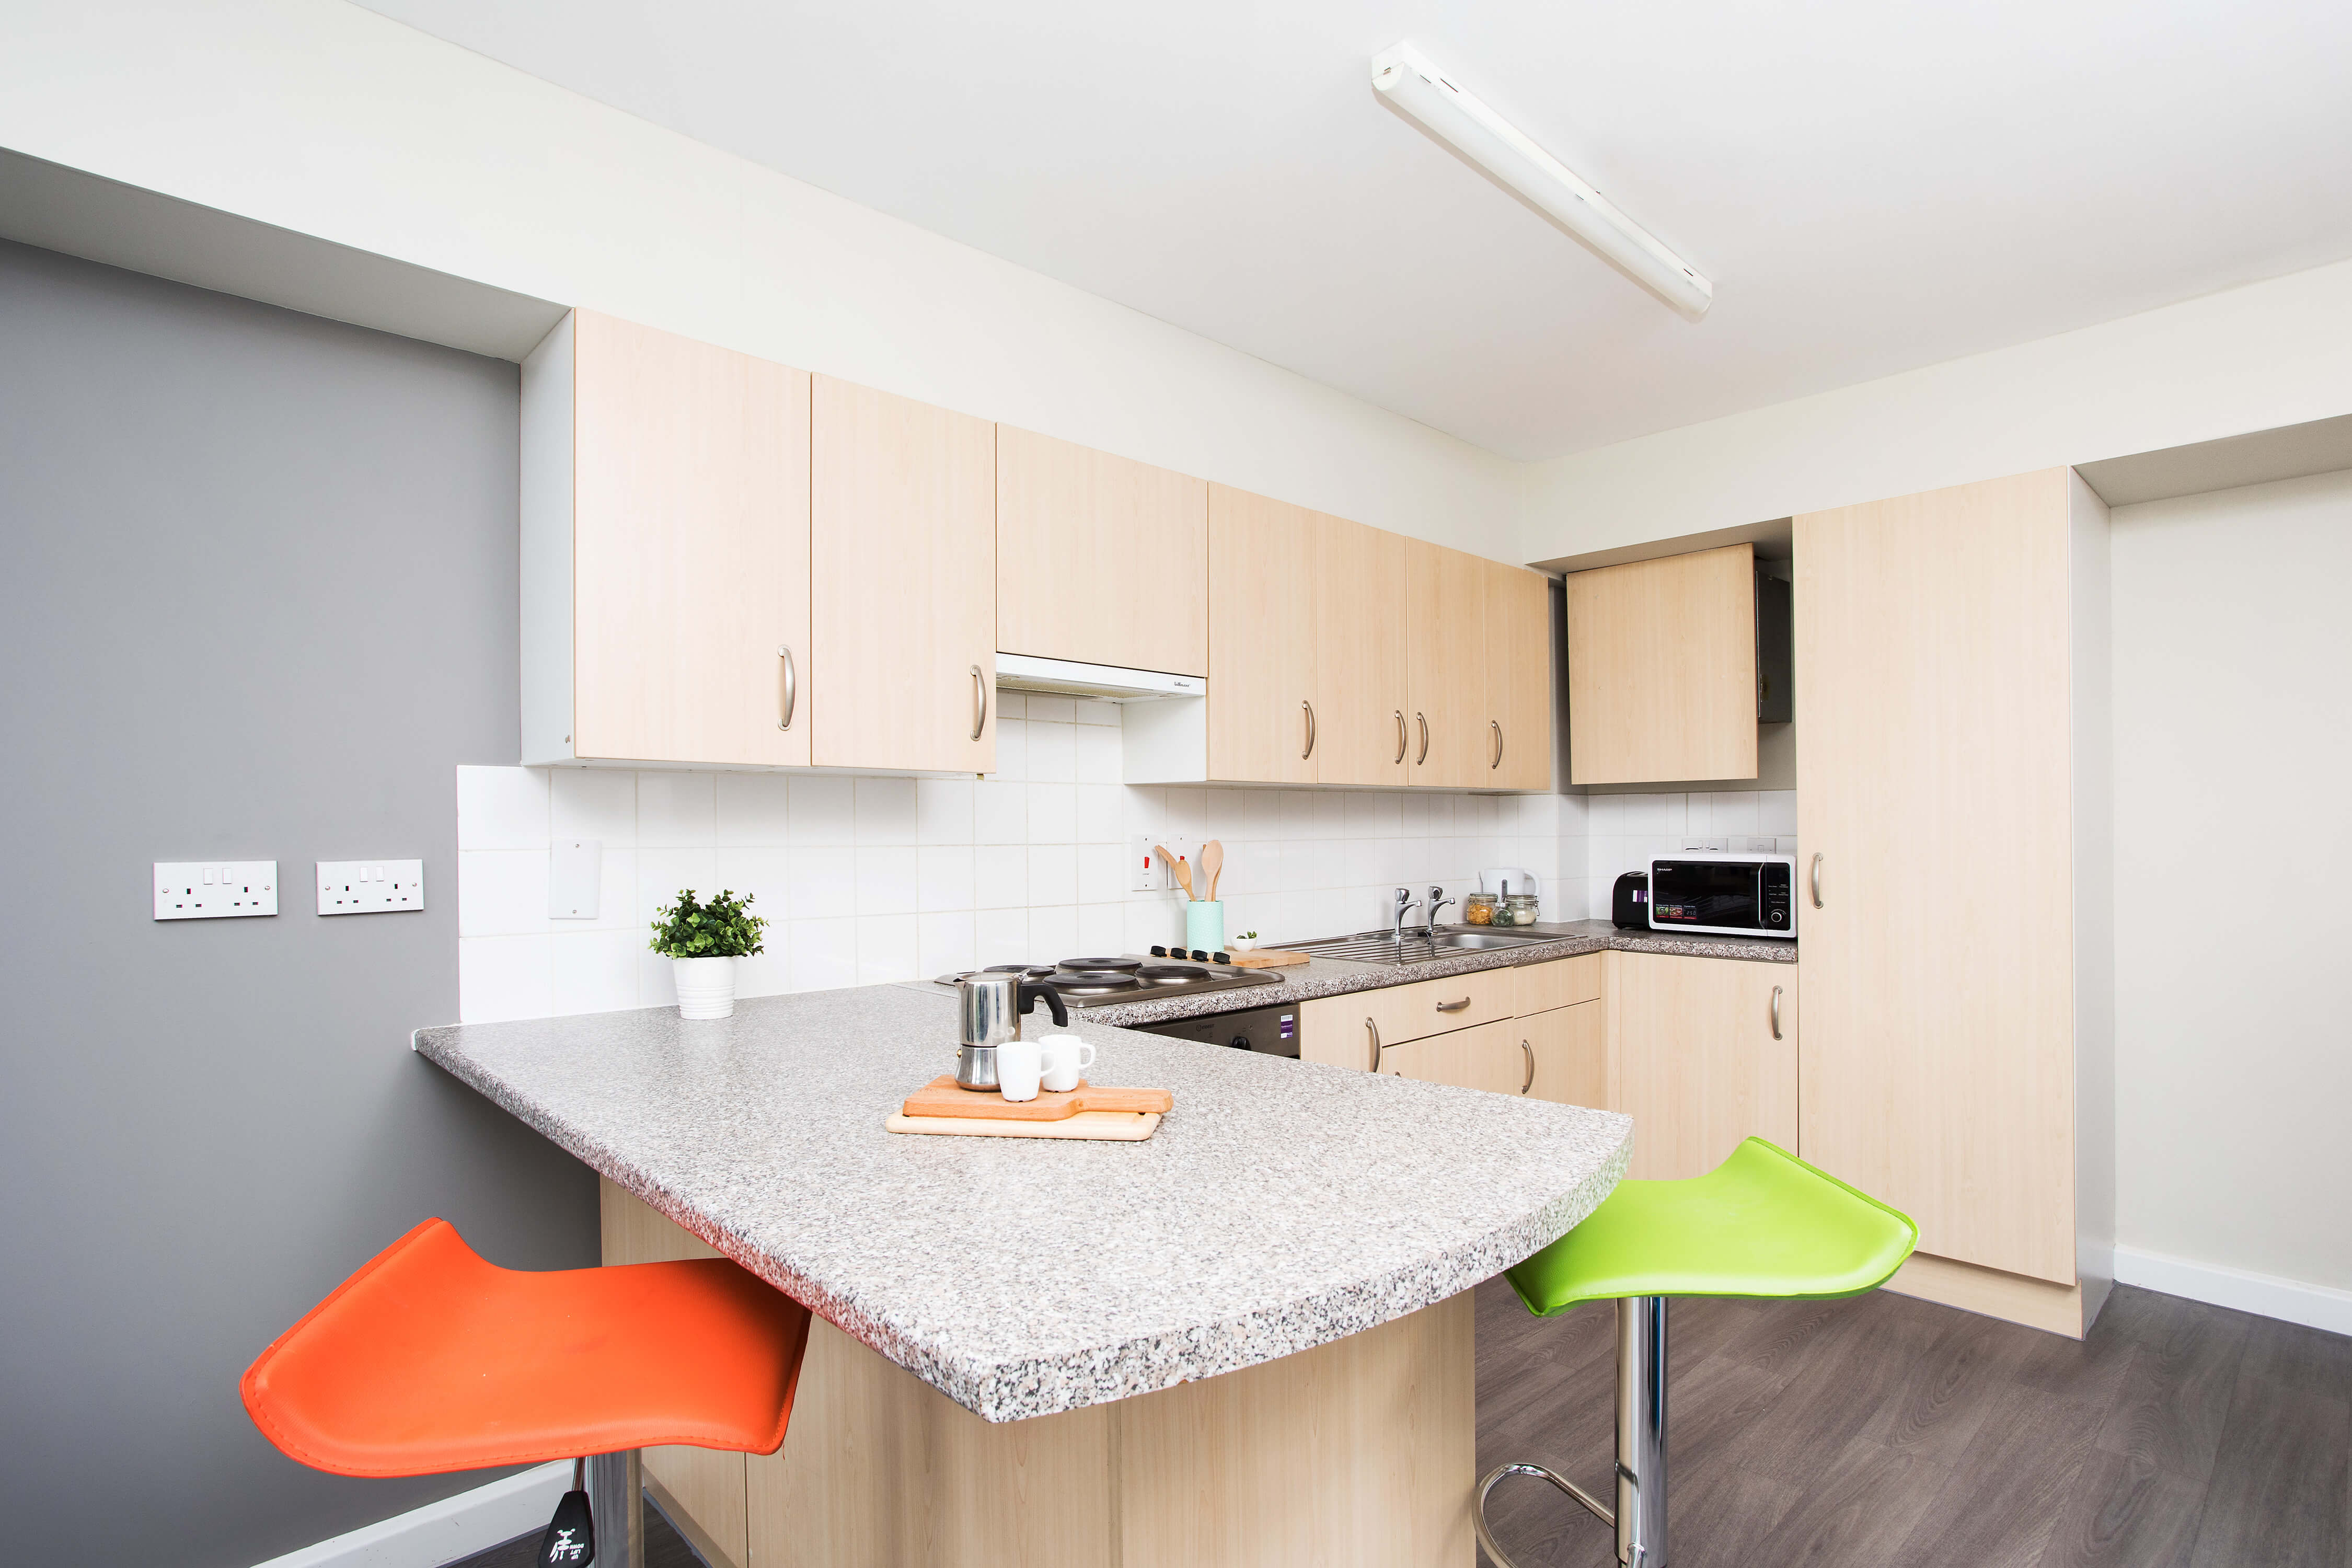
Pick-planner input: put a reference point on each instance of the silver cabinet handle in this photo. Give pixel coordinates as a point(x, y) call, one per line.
point(1452, 1007)
point(1308, 709)
point(1496, 725)
point(979, 703)
point(1530, 1080)
point(1399, 718)
point(791, 688)
point(1374, 1030)
point(1817, 881)
point(1422, 719)
point(1775, 1012)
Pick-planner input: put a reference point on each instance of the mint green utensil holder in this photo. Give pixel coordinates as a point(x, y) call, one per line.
point(1205, 924)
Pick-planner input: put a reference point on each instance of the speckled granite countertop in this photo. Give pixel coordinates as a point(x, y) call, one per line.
point(1281, 1204)
point(1336, 977)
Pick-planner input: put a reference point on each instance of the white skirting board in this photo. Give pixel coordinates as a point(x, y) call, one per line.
point(444, 1532)
point(2266, 1295)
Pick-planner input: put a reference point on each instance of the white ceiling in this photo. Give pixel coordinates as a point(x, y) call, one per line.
point(1871, 186)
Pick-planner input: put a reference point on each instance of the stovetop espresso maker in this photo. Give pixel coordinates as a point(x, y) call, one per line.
point(988, 1008)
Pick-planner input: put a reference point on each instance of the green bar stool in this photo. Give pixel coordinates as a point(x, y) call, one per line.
point(1763, 1223)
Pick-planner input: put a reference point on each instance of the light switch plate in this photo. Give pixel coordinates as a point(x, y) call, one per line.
point(214, 890)
point(370, 887)
point(575, 873)
point(1148, 875)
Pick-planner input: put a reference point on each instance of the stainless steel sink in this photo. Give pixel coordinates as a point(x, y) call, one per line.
point(1379, 947)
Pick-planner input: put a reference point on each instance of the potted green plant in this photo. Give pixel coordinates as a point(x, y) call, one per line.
point(702, 941)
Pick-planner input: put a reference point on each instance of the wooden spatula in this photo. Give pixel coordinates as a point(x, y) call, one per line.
point(1212, 866)
point(1183, 872)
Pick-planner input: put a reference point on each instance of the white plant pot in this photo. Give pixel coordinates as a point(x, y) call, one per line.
point(706, 986)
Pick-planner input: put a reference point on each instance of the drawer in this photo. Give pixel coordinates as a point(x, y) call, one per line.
point(1405, 1013)
point(1561, 983)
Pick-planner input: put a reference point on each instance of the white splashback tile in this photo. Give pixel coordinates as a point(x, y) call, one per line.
point(943, 878)
point(821, 883)
point(943, 810)
point(676, 809)
point(502, 977)
point(885, 811)
point(888, 949)
point(887, 881)
point(751, 809)
point(823, 809)
point(502, 808)
point(592, 803)
point(943, 943)
point(1000, 812)
point(595, 971)
point(1053, 752)
point(824, 953)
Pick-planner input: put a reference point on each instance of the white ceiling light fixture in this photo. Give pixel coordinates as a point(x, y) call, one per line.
point(1415, 88)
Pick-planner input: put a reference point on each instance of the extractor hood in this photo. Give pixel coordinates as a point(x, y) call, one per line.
point(1022, 672)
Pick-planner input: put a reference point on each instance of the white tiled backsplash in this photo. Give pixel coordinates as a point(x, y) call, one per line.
point(869, 878)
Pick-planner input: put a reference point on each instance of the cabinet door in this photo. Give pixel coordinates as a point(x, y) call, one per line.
point(1261, 639)
point(1699, 1067)
point(1488, 1057)
point(1932, 687)
point(1567, 1055)
point(1445, 665)
point(1100, 559)
point(1360, 680)
point(1662, 669)
point(903, 552)
point(1518, 678)
point(690, 550)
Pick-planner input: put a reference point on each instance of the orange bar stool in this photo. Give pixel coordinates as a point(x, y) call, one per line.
point(430, 1359)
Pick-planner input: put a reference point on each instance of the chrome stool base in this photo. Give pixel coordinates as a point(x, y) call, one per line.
point(1640, 1516)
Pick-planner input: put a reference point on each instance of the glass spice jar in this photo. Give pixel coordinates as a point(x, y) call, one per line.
point(1520, 910)
point(1479, 910)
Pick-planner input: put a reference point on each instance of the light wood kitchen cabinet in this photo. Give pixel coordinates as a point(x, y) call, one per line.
point(1261, 667)
point(1705, 1054)
point(1445, 665)
point(1360, 654)
point(1662, 669)
point(1952, 782)
point(902, 499)
point(1487, 1056)
point(1567, 1055)
point(1100, 559)
point(664, 550)
point(1518, 678)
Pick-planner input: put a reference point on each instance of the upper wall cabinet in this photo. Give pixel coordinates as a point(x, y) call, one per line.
point(1662, 669)
point(664, 550)
point(1260, 710)
point(1359, 653)
point(902, 502)
point(1518, 678)
point(1445, 666)
point(1100, 559)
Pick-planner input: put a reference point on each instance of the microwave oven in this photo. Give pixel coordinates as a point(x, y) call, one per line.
point(1725, 895)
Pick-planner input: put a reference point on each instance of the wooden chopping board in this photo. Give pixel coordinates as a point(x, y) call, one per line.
point(1269, 958)
point(941, 1099)
point(1108, 1126)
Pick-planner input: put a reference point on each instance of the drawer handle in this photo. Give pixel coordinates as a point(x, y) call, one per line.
point(1374, 1030)
point(1530, 1082)
point(1399, 718)
point(1817, 881)
point(1775, 1012)
point(1496, 725)
point(1453, 1006)
point(979, 703)
point(791, 688)
point(1422, 719)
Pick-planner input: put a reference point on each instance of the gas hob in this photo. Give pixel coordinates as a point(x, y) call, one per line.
point(1106, 982)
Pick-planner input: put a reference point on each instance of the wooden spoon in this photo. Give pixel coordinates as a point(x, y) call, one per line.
point(1212, 866)
point(1176, 864)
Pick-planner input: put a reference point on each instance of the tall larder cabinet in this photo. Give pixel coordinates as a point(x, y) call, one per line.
point(1955, 826)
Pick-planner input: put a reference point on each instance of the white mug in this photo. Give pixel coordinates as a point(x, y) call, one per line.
point(1066, 1058)
point(1018, 1064)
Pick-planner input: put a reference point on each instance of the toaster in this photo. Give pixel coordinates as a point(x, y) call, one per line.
point(1631, 907)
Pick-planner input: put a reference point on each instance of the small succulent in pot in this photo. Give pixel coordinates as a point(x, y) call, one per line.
point(703, 941)
point(1243, 942)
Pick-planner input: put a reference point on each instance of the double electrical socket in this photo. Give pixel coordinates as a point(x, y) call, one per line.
point(1735, 843)
point(370, 887)
point(214, 890)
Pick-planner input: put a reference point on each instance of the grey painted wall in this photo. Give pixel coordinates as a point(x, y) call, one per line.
point(258, 599)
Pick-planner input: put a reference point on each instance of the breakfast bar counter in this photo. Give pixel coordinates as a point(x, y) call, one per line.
point(1297, 1235)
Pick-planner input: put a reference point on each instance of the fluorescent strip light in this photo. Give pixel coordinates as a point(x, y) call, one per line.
point(1411, 85)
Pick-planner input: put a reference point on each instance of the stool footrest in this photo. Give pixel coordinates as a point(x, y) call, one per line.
point(1593, 1505)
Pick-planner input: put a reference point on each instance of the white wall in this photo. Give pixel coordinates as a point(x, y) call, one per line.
point(869, 879)
point(2269, 354)
point(320, 117)
point(2234, 738)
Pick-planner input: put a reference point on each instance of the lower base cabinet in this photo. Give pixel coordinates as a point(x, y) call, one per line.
point(1567, 1055)
point(1487, 1056)
point(1706, 1051)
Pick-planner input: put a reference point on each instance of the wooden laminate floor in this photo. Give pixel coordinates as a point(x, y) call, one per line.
point(1885, 1431)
